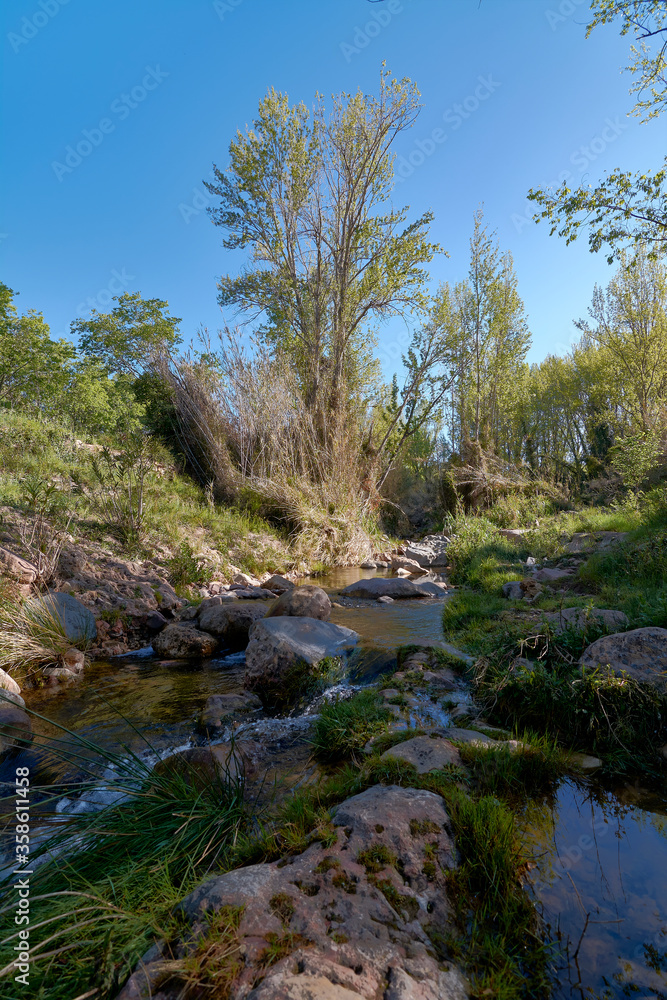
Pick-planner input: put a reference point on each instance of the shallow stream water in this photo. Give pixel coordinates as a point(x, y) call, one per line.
point(599, 875)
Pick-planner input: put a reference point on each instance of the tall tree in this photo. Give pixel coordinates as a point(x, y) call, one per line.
point(308, 193)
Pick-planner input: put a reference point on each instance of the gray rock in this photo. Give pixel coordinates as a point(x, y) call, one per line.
point(16, 567)
point(432, 589)
point(184, 642)
point(579, 618)
point(7, 683)
point(369, 564)
point(360, 944)
point(284, 653)
point(155, 621)
point(402, 562)
point(302, 602)
point(381, 587)
point(385, 599)
point(468, 736)
point(551, 575)
point(231, 623)
point(278, 584)
point(77, 620)
point(15, 726)
point(512, 590)
point(641, 653)
point(253, 594)
point(426, 753)
point(514, 534)
point(12, 696)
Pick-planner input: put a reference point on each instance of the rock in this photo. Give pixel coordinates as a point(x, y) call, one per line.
point(12, 696)
point(468, 736)
point(512, 590)
point(517, 590)
point(530, 588)
point(663, 751)
point(368, 564)
point(74, 660)
point(77, 620)
point(358, 928)
point(551, 575)
point(283, 656)
point(514, 534)
point(221, 708)
point(641, 653)
point(584, 762)
point(15, 726)
point(302, 602)
point(426, 753)
point(381, 587)
point(445, 679)
point(16, 567)
point(432, 551)
point(254, 594)
point(155, 621)
point(403, 572)
point(7, 683)
point(402, 562)
point(184, 642)
point(385, 599)
point(278, 584)
point(432, 589)
point(61, 675)
point(243, 580)
point(531, 561)
point(579, 618)
point(231, 623)
point(203, 767)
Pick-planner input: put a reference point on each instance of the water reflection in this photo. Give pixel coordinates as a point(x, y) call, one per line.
point(601, 882)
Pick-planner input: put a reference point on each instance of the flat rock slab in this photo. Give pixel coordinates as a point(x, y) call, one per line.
point(579, 618)
point(468, 736)
point(425, 752)
point(77, 620)
point(641, 653)
point(382, 587)
point(349, 939)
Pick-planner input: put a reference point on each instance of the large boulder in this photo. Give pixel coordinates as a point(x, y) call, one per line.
point(302, 602)
point(432, 551)
point(580, 618)
point(425, 753)
point(284, 658)
point(16, 567)
point(183, 642)
point(641, 653)
point(15, 726)
point(382, 587)
point(231, 623)
point(356, 911)
point(77, 620)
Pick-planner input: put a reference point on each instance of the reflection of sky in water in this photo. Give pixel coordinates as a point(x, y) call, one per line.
point(601, 879)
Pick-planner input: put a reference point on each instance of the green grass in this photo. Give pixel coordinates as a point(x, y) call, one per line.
point(179, 516)
point(512, 773)
point(102, 903)
point(345, 726)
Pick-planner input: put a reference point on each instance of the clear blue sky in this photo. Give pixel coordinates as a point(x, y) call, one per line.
point(172, 80)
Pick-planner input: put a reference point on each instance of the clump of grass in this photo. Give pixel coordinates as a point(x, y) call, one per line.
point(110, 881)
point(377, 857)
point(504, 957)
point(215, 962)
point(514, 772)
point(32, 635)
point(345, 726)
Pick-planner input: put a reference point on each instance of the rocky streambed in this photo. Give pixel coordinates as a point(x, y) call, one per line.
point(357, 923)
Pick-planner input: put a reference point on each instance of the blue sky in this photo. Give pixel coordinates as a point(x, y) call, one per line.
point(155, 90)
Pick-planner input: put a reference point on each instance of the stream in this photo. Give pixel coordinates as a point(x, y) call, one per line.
point(599, 876)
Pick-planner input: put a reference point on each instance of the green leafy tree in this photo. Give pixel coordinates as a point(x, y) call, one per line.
point(131, 338)
point(626, 210)
point(307, 194)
